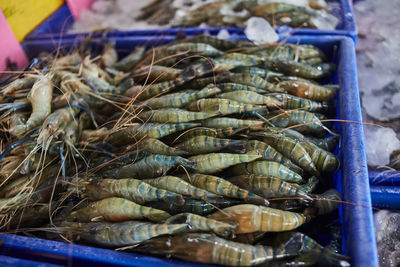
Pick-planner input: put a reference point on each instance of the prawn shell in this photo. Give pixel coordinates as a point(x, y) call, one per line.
point(179, 186)
point(214, 162)
point(251, 218)
point(125, 233)
point(115, 209)
point(267, 168)
point(131, 189)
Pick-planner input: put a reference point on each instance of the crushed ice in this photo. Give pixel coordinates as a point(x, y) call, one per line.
point(379, 145)
point(260, 31)
point(122, 14)
point(387, 232)
point(378, 54)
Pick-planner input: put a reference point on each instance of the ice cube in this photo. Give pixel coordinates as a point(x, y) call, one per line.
point(324, 21)
point(223, 34)
point(379, 144)
point(260, 31)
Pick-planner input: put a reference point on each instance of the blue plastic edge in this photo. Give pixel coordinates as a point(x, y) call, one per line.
point(358, 231)
point(358, 218)
point(386, 197)
point(10, 261)
point(389, 178)
point(60, 253)
point(57, 24)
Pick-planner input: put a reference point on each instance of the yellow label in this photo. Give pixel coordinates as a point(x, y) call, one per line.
point(25, 15)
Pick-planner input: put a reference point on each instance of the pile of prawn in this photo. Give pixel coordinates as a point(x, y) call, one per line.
point(204, 149)
point(221, 13)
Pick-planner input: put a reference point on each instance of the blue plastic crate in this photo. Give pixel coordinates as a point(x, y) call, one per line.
point(387, 178)
point(10, 261)
point(386, 197)
point(56, 26)
point(351, 180)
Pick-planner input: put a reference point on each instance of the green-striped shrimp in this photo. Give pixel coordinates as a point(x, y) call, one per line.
point(328, 143)
point(214, 162)
point(312, 253)
point(287, 51)
point(131, 189)
point(202, 49)
point(249, 97)
point(231, 87)
point(69, 83)
point(179, 186)
point(249, 79)
point(32, 215)
point(122, 233)
point(270, 187)
point(156, 146)
point(109, 56)
point(152, 130)
point(308, 187)
point(98, 78)
point(157, 73)
point(313, 61)
point(222, 187)
point(220, 133)
point(324, 161)
point(225, 122)
point(327, 202)
point(111, 166)
point(115, 209)
point(56, 122)
point(293, 149)
point(196, 206)
point(40, 97)
point(130, 60)
point(246, 59)
point(273, 8)
point(198, 223)
point(211, 66)
point(143, 92)
point(252, 218)
point(291, 67)
point(154, 166)
point(179, 100)
point(210, 249)
point(305, 122)
point(173, 115)
point(222, 106)
point(263, 73)
point(294, 102)
point(239, 78)
point(308, 90)
point(18, 106)
point(269, 153)
point(203, 144)
point(267, 168)
point(16, 85)
point(17, 120)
